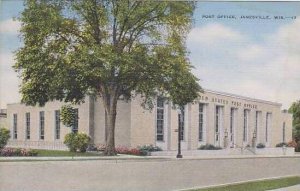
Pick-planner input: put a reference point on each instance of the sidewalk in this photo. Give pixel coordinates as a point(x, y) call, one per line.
point(140, 158)
point(291, 188)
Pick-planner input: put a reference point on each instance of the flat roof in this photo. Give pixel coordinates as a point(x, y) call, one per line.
point(242, 97)
point(222, 94)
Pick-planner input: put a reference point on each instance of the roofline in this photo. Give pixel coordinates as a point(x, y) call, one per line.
point(242, 97)
point(215, 92)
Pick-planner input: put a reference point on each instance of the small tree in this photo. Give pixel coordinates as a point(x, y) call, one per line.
point(295, 110)
point(4, 136)
point(68, 115)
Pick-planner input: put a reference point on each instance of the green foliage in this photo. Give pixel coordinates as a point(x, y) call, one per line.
point(145, 149)
point(77, 142)
point(72, 48)
point(295, 110)
point(260, 145)
point(68, 115)
point(209, 147)
point(33, 152)
point(281, 144)
point(4, 136)
point(108, 49)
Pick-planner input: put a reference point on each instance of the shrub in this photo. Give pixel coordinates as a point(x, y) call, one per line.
point(145, 149)
point(260, 145)
point(281, 144)
point(134, 151)
point(292, 143)
point(100, 147)
point(209, 147)
point(18, 152)
point(140, 151)
point(77, 142)
point(295, 144)
point(70, 141)
point(4, 136)
point(91, 147)
point(7, 152)
point(128, 151)
point(122, 150)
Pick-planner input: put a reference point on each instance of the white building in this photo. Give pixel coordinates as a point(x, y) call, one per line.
point(3, 118)
point(221, 119)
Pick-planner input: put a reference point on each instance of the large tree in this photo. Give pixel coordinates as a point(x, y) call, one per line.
point(108, 49)
point(295, 110)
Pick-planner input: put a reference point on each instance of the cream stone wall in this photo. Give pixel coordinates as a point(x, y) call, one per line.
point(240, 103)
point(288, 119)
point(174, 129)
point(49, 110)
point(143, 124)
point(136, 126)
point(3, 122)
point(122, 129)
point(99, 122)
point(212, 99)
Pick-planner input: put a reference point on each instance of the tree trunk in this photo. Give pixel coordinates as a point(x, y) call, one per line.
point(110, 104)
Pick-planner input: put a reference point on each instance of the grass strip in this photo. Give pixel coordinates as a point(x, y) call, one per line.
point(56, 153)
point(257, 185)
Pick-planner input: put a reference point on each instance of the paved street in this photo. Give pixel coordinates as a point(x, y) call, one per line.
point(140, 175)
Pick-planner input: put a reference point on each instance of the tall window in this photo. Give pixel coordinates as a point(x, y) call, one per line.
point(57, 124)
point(160, 119)
point(181, 124)
point(256, 122)
point(15, 126)
point(201, 121)
point(217, 122)
point(268, 118)
point(245, 129)
point(231, 130)
point(27, 115)
point(42, 125)
point(75, 126)
point(283, 132)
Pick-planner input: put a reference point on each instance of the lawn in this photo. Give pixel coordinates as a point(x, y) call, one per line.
point(55, 153)
point(257, 185)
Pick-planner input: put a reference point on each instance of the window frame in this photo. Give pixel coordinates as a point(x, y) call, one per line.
point(201, 122)
point(57, 124)
point(75, 127)
point(42, 125)
point(15, 126)
point(160, 118)
point(27, 118)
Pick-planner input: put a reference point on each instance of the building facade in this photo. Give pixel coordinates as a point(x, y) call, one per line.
point(217, 118)
point(3, 118)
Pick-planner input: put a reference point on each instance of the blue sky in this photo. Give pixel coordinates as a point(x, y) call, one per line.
point(259, 58)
